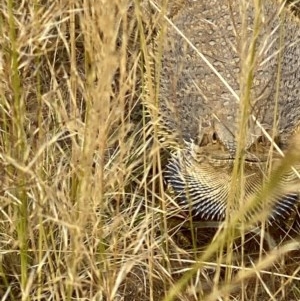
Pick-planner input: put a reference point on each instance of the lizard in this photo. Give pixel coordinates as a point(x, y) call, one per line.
point(204, 71)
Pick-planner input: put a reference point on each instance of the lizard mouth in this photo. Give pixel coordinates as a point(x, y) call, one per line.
point(201, 179)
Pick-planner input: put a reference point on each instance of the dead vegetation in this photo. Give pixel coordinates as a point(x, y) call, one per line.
point(84, 212)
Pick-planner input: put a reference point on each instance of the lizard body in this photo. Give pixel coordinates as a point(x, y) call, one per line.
point(205, 113)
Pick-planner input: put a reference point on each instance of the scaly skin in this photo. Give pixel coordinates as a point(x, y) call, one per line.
point(201, 110)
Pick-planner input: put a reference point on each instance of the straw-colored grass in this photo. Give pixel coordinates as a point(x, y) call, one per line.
point(84, 211)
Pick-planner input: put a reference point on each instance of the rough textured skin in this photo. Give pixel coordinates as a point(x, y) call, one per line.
point(190, 91)
point(198, 107)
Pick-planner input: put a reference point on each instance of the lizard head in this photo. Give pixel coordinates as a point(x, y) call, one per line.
point(201, 175)
point(202, 179)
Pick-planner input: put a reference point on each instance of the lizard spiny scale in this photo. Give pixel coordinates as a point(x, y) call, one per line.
point(203, 191)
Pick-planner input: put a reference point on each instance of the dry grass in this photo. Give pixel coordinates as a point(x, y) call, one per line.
point(83, 212)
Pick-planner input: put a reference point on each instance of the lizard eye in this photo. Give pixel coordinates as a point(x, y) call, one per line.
point(215, 137)
point(209, 138)
point(262, 140)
